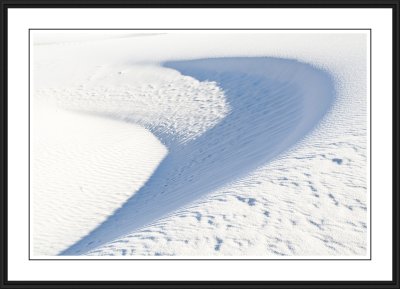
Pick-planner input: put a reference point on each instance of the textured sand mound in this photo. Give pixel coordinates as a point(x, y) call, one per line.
point(273, 104)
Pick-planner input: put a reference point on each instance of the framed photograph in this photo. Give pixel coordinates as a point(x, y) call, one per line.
point(200, 145)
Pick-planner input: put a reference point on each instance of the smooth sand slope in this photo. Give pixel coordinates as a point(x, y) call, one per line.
point(81, 159)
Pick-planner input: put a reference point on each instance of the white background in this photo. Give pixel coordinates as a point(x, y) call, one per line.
point(20, 20)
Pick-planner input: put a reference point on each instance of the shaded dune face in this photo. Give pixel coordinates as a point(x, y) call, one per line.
point(273, 104)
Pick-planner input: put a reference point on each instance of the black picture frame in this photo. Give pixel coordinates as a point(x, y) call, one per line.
point(60, 4)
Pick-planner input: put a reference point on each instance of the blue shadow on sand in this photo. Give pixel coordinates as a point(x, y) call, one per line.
point(273, 103)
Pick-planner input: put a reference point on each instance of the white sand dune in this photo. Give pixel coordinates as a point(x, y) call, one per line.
point(220, 119)
point(273, 104)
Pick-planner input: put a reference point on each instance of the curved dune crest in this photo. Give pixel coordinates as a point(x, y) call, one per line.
point(273, 103)
point(86, 170)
